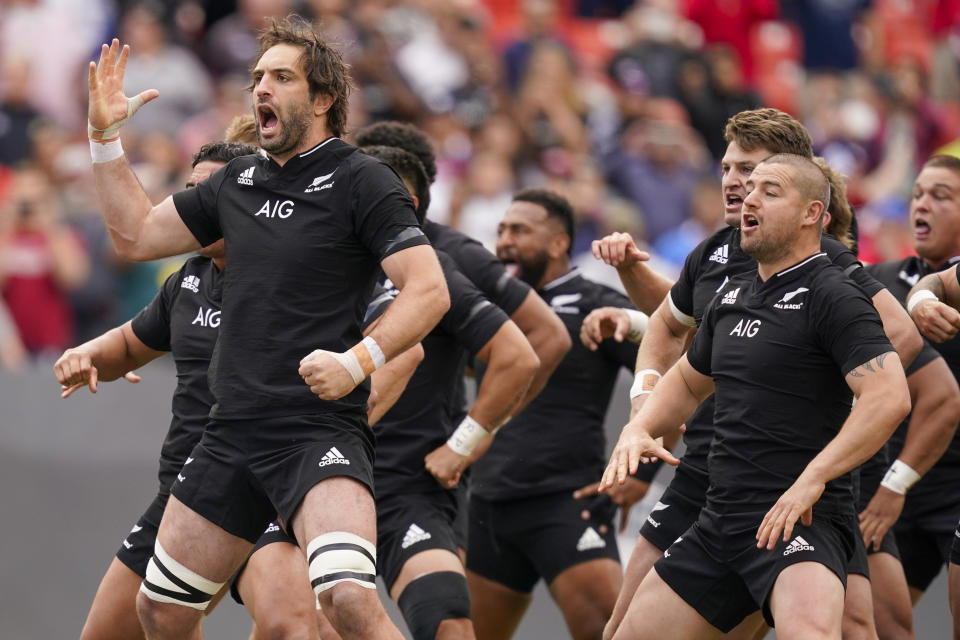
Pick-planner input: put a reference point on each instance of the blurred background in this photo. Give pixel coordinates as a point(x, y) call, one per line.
point(619, 105)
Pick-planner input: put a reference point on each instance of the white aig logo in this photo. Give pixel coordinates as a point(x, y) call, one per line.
point(278, 210)
point(207, 317)
point(746, 328)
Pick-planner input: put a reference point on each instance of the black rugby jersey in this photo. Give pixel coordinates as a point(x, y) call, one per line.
point(778, 352)
point(711, 264)
point(184, 318)
point(425, 415)
point(941, 481)
point(557, 442)
point(305, 241)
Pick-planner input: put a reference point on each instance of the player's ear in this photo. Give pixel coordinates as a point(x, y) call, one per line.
point(815, 214)
point(558, 245)
point(322, 103)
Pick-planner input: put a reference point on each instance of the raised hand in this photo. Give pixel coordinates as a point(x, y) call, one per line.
point(618, 250)
point(109, 108)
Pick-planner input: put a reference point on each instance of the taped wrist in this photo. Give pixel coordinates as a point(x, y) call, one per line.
point(644, 382)
point(899, 477)
point(638, 325)
point(919, 297)
point(105, 151)
point(467, 436)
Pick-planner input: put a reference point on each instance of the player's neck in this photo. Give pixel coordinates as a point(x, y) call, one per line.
point(796, 254)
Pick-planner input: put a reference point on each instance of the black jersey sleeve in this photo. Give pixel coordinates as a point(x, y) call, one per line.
point(382, 298)
point(681, 293)
point(472, 319)
point(197, 207)
point(152, 324)
point(490, 276)
point(847, 325)
point(384, 218)
point(623, 352)
point(844, 258)
point(699, 353)
point(927, 355)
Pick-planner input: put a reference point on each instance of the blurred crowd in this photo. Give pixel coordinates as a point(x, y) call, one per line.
point(618, 105)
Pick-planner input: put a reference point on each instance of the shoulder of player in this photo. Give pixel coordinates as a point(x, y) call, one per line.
point(710, 244)
point(889, 272)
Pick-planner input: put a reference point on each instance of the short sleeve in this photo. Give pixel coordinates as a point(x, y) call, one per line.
point(472, 319)
point(844, 258)
point(384, 219)
point(379, 303)
point(490, 276)
point(152, 324)
point(851, 332)
point(699, 355)
point(197, 207)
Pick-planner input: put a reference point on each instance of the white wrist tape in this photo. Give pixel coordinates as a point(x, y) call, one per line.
point(105, 151)
point(919, 297)
point(643, 383)
point(899, 477)
point(348, 359)
point(113, 130)
point(467, 436)
point(376, 353)
point(638, 325)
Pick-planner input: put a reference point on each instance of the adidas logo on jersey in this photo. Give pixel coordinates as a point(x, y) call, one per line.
point(721, 254)
point(590, 540)
point(730, 296)
point(192, 283)
point(246, 177)
point(797, 544)
point(333, 457)
point(414, 535)
point(783, 303)
point(318, 183)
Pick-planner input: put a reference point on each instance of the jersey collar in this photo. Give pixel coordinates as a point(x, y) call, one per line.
point(799, 265)
point(567, 277)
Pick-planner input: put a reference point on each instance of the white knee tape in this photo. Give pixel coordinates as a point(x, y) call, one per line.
point(169, 581)
point(341, 557)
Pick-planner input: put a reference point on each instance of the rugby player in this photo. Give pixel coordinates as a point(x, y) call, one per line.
point(751, 137)
point(184, 319)
point(421, 453)
point(308, 228)
point(778, 350)
point(525, 523)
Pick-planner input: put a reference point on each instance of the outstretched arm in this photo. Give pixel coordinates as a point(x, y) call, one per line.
point(645, 286)
point(107, 357)
point(139, 230)
point(933, 303)
point(883, 401)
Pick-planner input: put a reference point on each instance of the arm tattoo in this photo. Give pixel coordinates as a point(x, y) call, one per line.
point(932, 283)
point(855, 373)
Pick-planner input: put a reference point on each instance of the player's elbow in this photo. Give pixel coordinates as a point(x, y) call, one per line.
point(896, 401)
point(907, 342)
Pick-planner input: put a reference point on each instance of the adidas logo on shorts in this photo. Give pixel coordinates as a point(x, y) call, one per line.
point(333, 457)
point(414, 535)
point(721, 254)
point(246, 177)
point(797, 544)
point(272, 527)
point(590, 540)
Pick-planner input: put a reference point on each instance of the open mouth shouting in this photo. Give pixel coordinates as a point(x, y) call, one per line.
point(921, 229)
point(732, 202)
point(748, 222)
point(267, 120)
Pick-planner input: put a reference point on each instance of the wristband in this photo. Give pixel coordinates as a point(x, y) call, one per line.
point(919, 297)
point(467, 436)
point(376, 353)
point(643, 383)
point(638, 325)
point(113, 131)
point(105, 151)
point(899, 477)
point(348, 360)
